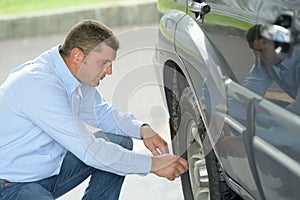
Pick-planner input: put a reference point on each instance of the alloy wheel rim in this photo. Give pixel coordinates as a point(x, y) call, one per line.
point(197, 166)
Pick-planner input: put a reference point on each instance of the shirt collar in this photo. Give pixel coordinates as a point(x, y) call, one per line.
point(70, 82)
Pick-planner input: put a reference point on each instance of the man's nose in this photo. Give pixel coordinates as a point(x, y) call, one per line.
point(108, 69)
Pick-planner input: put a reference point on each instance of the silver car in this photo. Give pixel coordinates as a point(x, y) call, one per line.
point(231, 75)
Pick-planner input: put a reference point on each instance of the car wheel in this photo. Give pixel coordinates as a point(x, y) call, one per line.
point(195, 181)
point(204, 180)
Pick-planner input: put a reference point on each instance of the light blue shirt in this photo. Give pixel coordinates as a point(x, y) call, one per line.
point(46, 112)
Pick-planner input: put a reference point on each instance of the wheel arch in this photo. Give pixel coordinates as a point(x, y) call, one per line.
point(174, 81)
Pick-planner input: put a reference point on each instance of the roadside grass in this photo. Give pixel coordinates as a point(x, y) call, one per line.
point(27, 6)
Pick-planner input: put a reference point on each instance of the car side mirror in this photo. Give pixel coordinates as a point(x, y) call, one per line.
point(276, 33)
point(282, 33)
point(200, 9)
point(281, 36)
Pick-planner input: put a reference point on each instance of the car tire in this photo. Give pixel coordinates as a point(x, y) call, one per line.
point(204, 180)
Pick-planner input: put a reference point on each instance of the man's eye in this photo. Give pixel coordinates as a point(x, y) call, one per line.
point(103, 64)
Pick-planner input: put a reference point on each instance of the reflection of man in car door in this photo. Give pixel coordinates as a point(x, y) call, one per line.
point(269, 66)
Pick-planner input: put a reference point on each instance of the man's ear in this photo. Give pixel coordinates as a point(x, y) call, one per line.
point(77, 56)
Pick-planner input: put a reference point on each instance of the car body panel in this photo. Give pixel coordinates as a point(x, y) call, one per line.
point(215, 58)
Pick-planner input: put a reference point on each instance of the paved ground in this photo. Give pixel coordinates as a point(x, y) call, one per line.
point(133, 87)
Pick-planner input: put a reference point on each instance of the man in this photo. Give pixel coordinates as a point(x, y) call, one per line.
point(270, 66)
point(46, 107)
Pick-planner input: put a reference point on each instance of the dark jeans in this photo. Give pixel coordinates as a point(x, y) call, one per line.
point(102, 185)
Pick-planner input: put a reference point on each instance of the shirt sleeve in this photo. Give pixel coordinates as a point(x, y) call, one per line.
point(46, 105)
point(112, 120)
point(258, 79)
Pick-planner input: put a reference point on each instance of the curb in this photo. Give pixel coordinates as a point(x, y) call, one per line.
point(123, 13)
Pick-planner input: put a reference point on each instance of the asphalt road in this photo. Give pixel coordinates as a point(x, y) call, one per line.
point(132, 88)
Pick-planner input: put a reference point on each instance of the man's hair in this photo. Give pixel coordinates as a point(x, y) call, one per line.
point(254, 33)
point(87, 35)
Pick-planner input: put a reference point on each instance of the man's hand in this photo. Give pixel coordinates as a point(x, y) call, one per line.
point(169, 166)
point(163, 164)
point(153, 141)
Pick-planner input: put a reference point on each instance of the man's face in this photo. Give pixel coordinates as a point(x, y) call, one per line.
point(96, 66)
point(264, 50)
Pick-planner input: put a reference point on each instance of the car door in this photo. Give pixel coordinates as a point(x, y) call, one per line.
point(273, 136)
point(267, 118)
point(274, 145)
